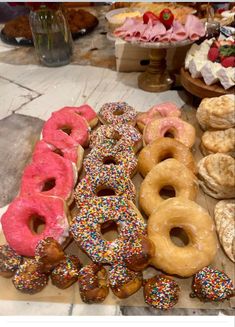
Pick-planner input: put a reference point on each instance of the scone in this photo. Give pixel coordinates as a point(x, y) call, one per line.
point(218, 141)
point(225, 224)
point(216, 174)
point(217, 113)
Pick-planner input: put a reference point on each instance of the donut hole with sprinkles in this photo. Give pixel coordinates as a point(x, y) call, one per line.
point(36, 223)
point(105, 191)
point(48, 185)
point(118, 112)
point(179, 237)
point(109, 161)
point(167, 192)
point(109, 230)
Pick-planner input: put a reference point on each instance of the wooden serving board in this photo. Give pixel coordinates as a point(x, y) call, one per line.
point(197, 87)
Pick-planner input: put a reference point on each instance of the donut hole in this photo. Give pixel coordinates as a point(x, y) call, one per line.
point(169, 133)
point(179, 237)
point(48, 185)
point(109, 160)
point(109, 230)
point(165, 156)
point(66, 129)
point(36, 224)
point(118, 112)
point(59, 152)
point(105, 191)
point(167, 192)
point(116, 136)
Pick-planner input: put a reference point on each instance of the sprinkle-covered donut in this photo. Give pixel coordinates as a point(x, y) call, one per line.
point(85, 228)
point(108, 155)
point(119, 133)
point(24, 214)
point(50, 175)
point(84, 111)
point(9, 261)
point(117, 112)
point(103, 182)
point(66, 129)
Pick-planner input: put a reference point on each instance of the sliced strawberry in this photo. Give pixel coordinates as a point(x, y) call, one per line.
point(228, 62)
point(149, 16)
point(213, 54)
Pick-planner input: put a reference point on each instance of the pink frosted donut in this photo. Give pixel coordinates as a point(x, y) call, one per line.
point(166, 109)
point(65, 129)
point(176, 127)
point(50, 175)
point(74, 154)
point(85, 111)
point(119, 133)
point(117, 112)
point(24, 214)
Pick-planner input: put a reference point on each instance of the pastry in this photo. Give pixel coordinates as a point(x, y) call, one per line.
point(222, 141)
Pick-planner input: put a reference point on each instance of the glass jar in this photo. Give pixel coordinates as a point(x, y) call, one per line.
point(51, 35)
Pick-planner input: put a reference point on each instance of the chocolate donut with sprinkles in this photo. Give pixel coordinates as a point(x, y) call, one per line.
point(117, 112)
point(9, 261)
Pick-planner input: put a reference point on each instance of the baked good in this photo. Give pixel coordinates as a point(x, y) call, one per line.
point(222, 141)
point(117, 112)
point(200, 246)
point(216, 174)
point(9, 261)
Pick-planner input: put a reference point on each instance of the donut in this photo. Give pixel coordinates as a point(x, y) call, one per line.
point(176, 127)
point(9, 261)
point(85, 227)
point(166, 109)
point(119, 133)
point(108, 155)
point(168, 173)
point(52, 175)
point(161, 292)
point(24, 214)
point(200, 245)
point(65, 130)
point(212, 285)
point(48, 253)
point(84, 111)
point(103, 182)
point(28, 279)
point(66, 272)
point(117, 112)
point(161, 149)
point(74, 154)
point(92, 281)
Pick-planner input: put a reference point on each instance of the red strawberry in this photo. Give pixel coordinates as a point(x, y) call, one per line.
point(213, 54)
point(215, 44)
point(149, 16)
point(228, 62)
point(166, 17)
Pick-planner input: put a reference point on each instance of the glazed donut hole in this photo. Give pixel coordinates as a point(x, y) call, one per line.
point(170, 133)
point(179, 236)
point(167, 191)
point(36, 223)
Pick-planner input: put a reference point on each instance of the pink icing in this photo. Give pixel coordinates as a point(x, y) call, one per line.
point(85, 111)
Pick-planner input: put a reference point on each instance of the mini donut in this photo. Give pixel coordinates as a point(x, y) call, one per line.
point(179, 129)
point(167, 173)
point(74, 154)
point(117, 112)
point(25, 212)
point(201, 246)
point(9, 261)
point(123, 281)
point(66, 272)
point(161, 149)
point(65, 130)
point(212, 285)
point(28, 278)
point(84, 111)
point(166, 109)
point(92, 281)
point(108, 155)
point(85, 227)
point(161, 292)
point(48, 253)
point(103, 182)
point(52, 175)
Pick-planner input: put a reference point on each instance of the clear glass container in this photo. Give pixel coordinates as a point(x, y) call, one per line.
point(51, 35)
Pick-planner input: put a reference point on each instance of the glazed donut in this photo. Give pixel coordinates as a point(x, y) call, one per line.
point(28, 279)
point(48, 254)
point(199, 228)
point(166, 109)
point(66, 272)
point(23, 214)
point(85, 228)
point(65, 130)
point(74, 154)
point(119, 133)
point(161, 292)
point(110, 155)
point(117, 112)
point(123, 281)
point(50, 175)
point(167, 173)
point(9, 261)
point(84, 111)
point(103, 182)
point(92, 281)
point(161, 149)
point(179, 129)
